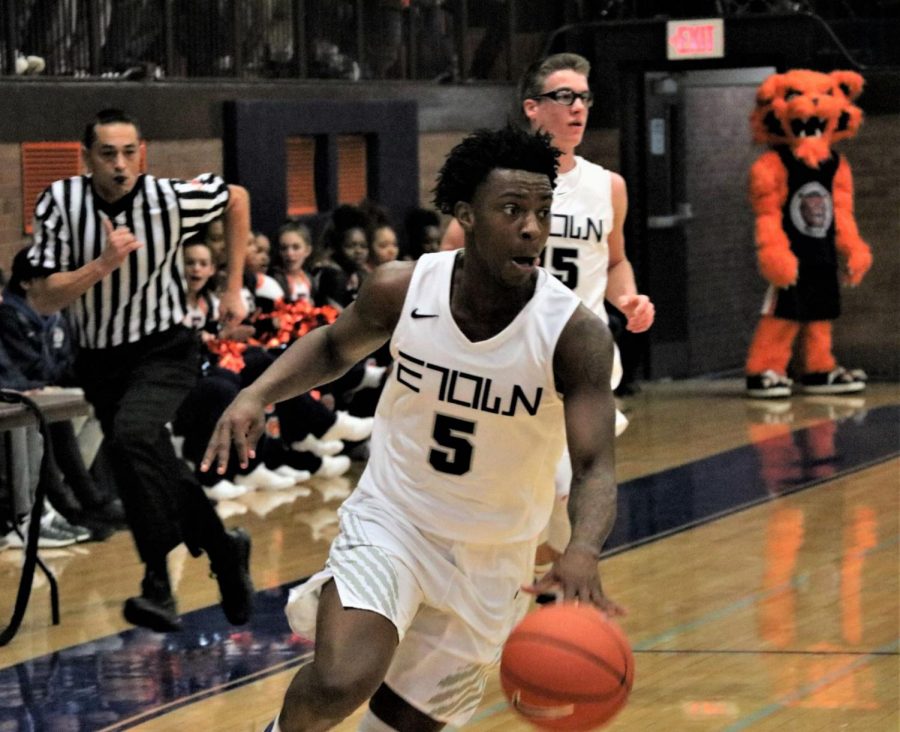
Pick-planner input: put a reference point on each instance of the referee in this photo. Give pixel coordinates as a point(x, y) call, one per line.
point(109, 245)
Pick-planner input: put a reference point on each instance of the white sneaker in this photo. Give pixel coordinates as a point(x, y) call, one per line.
point(58, 523)
point(48, 538)
point(298, 476)
point(225, 490)
point(318, 447)
point(373, 376)
point(263, 479)
point(621, 423)
point(350, 428)
point(36, 64)
point(332, 467)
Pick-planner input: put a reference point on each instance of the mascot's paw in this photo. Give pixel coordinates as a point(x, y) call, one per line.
point(857, 266)
point(836, 381)
point(768, 385)
point(779, 268)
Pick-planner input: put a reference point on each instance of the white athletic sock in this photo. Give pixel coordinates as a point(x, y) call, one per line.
point(371, 723)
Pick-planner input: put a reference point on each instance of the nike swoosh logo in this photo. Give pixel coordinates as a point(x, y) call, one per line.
point(416, 314)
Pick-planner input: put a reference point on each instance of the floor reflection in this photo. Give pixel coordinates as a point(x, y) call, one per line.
point(115, 682)
point(139, 674)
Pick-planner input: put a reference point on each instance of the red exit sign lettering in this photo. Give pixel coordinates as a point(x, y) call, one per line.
point(695, 39)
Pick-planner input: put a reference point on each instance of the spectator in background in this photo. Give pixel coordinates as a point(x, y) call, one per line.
point(344, 253)
point(136, 360)
point(201, 408)
point(310, 434)
point(294, 250)
point(41, 350)
point(423, 233)
point(341, 269)
point(262, 252)
point(134, 40)
point(331, 38)
point(496, 14)
point(384, 247)
point(383, 21)
point(262, 290)
point(435, 49)
point(381, 235)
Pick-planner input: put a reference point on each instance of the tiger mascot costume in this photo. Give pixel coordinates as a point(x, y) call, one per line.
point(802, 196)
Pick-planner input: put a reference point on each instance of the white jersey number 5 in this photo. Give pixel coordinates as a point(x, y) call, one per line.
point(456, 458)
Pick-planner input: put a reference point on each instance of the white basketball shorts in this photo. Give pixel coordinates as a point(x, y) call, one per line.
point(453, 603)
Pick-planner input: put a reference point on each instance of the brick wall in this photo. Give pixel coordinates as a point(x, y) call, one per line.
point(11, 236)
point(868, 333)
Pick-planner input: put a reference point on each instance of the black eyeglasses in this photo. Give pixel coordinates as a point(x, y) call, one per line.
point(567, 97)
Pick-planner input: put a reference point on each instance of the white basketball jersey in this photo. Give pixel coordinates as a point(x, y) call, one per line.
point(467, 434)
point(582, 216)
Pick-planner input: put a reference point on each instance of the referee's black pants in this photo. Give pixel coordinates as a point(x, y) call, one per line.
point(135, 390)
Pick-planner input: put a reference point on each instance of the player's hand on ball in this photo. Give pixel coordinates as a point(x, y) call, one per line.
point(575, 577)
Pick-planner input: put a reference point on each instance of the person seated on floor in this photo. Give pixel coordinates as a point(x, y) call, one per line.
point(338, 272)
point(41, 348)
point(344, 250)
point(19, 463)
point(310, 435)
point(290, 266)
point(423, 233)
point(266, 290)
point(380, 233)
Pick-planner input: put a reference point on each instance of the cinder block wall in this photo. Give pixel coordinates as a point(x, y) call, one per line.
point(725, 289)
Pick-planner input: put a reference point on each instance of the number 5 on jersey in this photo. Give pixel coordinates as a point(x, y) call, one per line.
point(454, 454)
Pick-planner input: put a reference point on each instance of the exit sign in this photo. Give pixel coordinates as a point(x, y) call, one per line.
point(695, 39)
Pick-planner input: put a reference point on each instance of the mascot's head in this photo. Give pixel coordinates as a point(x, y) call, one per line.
point(807, 111)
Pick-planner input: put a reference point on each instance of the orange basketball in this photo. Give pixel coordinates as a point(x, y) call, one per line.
point(567, 666)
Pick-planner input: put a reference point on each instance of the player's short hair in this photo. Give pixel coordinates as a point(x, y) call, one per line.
point(531, 83)
point(470, 162)
point(107, 116)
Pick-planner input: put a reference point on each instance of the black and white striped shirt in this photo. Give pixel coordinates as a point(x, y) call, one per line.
point(146, 294)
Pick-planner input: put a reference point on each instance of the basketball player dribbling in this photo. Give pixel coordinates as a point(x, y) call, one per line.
point(496, 365)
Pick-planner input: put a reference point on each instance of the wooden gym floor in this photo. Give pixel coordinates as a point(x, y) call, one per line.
point(756, 549)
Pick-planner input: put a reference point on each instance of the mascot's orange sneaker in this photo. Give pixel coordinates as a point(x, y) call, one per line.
point(836, 381)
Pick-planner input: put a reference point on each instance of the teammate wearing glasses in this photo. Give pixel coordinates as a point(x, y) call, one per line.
point(586, 246)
